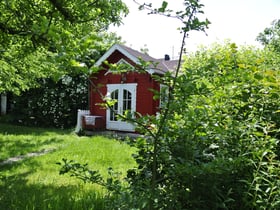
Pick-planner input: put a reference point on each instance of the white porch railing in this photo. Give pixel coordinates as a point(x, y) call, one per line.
point(80, 115)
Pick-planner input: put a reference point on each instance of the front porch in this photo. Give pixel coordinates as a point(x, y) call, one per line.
point(91, 125)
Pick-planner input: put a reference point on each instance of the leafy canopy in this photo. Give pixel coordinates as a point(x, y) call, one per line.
point(271, 36)
point(36, 35)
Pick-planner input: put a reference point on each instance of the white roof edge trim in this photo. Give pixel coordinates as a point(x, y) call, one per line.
point(153, 71)
point(113, 49)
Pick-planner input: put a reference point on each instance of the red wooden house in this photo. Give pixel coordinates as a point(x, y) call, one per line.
point(131, 89)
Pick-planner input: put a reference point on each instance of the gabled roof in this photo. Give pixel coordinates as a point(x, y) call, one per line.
point(159, 66)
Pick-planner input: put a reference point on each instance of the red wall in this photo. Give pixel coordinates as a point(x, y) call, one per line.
point(145, 104)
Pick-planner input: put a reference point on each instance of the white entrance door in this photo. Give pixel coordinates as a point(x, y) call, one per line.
point(125, 95)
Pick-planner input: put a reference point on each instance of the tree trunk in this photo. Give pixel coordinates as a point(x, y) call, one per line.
point(3, 104)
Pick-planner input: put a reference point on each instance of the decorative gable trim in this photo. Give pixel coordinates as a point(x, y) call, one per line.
point(113, 49)
point(121, 61)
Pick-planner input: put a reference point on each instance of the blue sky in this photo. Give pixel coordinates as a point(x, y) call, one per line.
point(237, 20)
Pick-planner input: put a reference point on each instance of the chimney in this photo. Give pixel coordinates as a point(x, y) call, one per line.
point(166, 57)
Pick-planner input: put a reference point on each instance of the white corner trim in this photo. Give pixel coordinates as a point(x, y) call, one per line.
point(113, 49)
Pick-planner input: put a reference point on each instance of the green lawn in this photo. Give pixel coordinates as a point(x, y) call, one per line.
point(35, 183)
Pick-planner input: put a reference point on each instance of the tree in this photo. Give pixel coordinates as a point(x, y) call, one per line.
point(39, 37)
point(271, 36)
point(55, 102)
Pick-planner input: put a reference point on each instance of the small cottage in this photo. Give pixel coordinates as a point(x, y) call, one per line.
point(131, 89)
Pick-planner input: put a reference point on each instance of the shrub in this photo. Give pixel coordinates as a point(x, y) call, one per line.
point(53, 104)
point(220, 142)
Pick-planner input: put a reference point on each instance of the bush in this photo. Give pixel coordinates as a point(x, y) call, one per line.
point(53, 104)
point(219, 145)
point(220, 142)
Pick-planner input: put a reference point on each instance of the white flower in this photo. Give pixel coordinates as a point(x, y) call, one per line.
point(66, 80)
point(213, 146)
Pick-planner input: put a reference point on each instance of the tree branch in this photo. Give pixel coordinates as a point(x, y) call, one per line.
point(65, 13)
point(12, 31)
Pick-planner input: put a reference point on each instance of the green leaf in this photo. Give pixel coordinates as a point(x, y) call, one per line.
point(163, 7)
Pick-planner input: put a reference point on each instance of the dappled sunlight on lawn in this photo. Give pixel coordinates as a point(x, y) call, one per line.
point(34, 182)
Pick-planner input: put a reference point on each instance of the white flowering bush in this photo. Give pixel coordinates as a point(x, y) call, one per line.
point(54, 104)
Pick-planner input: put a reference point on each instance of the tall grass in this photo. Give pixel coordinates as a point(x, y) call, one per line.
point(35, 183)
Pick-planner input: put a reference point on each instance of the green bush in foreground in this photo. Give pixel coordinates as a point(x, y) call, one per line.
point(221, 141)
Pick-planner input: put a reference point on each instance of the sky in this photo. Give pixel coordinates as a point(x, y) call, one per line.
point(237, 20)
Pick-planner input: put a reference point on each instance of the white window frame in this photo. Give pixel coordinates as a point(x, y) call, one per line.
point(119, 124)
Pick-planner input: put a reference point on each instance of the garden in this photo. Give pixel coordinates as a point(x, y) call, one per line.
point(214, 145)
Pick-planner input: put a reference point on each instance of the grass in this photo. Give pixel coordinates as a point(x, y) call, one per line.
point(35, 183)
point(17, 140)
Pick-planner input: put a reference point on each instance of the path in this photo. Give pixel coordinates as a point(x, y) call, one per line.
point(28, 155)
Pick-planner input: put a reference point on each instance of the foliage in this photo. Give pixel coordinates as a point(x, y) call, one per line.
point(53, 104)
point(229, 128)
point(37, 33)
point(18, 72)
point(44, 45)
point(271, 36)
point(220, 143)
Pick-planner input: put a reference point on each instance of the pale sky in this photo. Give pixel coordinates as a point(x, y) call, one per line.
point(238, 20)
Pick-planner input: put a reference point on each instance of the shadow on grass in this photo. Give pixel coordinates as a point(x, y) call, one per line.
point(20, 140)
point(25, 145)
point(17, 193)
point(24, 130)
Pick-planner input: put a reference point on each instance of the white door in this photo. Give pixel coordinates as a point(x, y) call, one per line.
point(125, 95)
